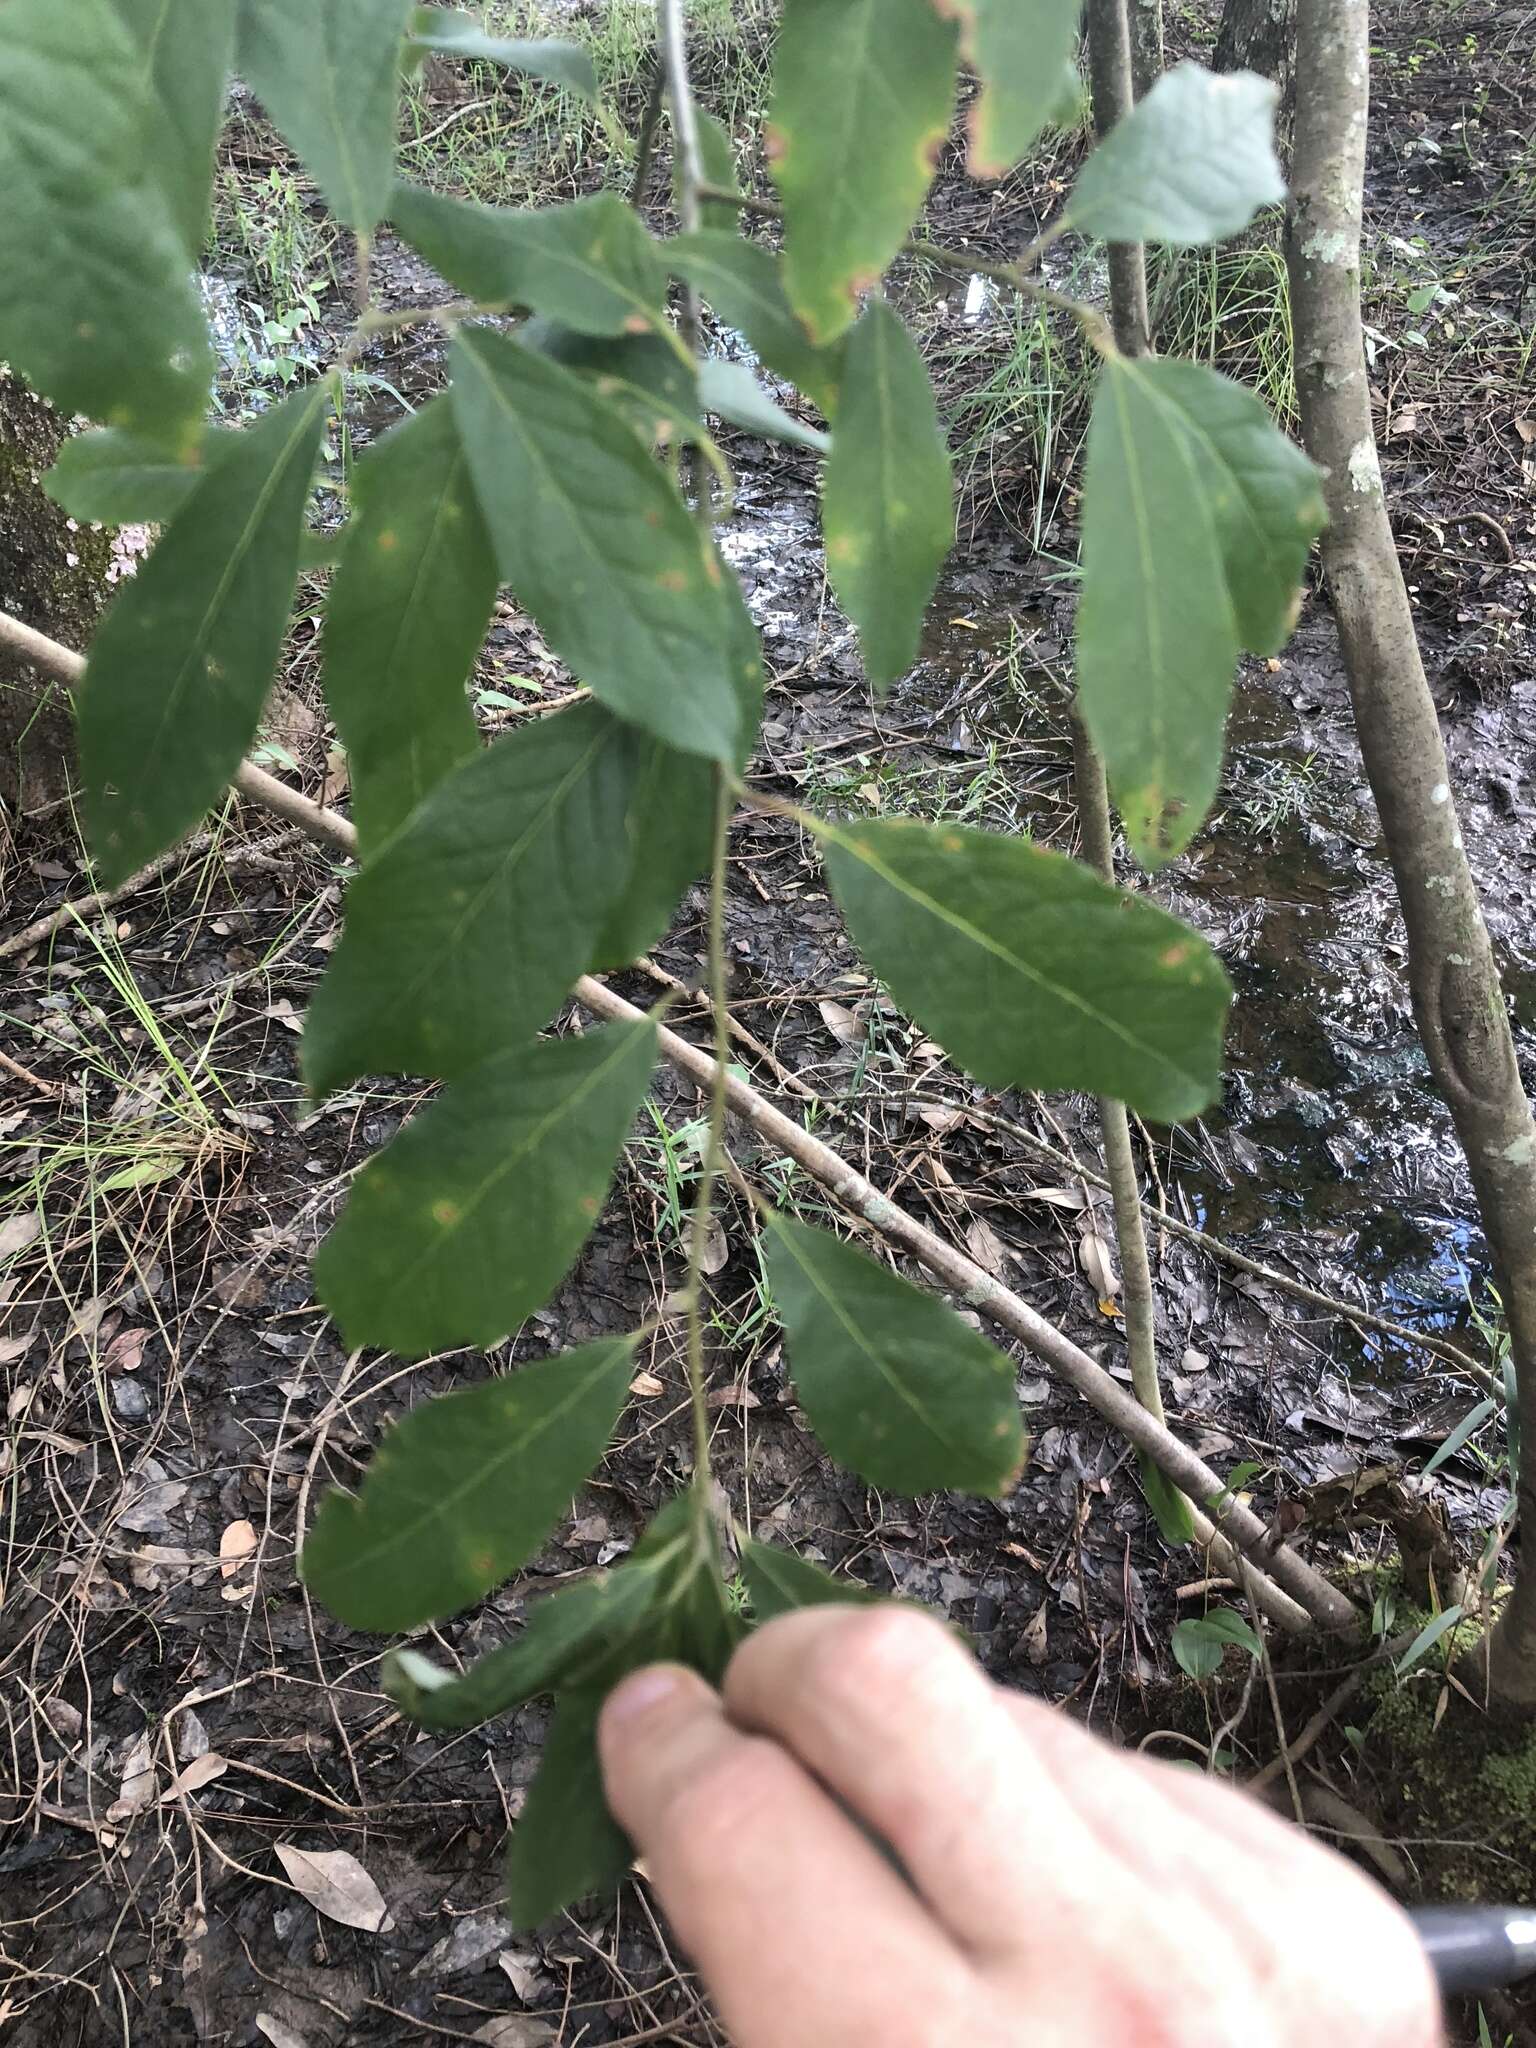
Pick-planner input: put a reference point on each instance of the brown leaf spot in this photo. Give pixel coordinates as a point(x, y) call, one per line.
point(483, 1565)
point(445, 1212)
point(672, 579)
point(1175, 955)
point(588, 1205)
point(388, 541)
point(637, 323)
point(775, 143)
point(953, 843)
point(711, 567)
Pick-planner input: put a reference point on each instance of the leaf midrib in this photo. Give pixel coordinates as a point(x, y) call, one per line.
point(441, 1506)
point(988, 944)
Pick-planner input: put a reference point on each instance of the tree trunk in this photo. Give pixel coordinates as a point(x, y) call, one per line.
point(1457, 998)
point(1260, 35)
point(1145, 20)
point(54, 575)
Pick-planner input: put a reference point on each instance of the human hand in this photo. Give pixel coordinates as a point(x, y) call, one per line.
point(1062, 1891)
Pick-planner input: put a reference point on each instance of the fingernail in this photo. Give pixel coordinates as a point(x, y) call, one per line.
point(640, 1692)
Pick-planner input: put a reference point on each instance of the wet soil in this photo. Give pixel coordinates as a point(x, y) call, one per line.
point(172, 1384)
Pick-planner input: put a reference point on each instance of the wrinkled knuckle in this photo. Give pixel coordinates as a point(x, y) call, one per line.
point(727, 1801)
point(879, 1649)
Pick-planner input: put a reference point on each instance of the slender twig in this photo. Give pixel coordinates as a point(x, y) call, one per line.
point(714, 1147)
point(962, 262)
point(1292, 1592)
point(1092, 794)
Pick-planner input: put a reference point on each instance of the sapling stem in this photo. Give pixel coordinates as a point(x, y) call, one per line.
point(714, 1147)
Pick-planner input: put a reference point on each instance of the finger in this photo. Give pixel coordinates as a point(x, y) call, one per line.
point(1293, 1915)
point(801, 1928)
point(890, 1712)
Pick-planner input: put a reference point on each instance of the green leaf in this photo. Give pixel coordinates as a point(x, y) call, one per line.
point(1197, 518)
point(741, 281)
point(565, 1842)
point(464, 1489)
point(549, 57)
point(779, 1582)
point(719, 160)
point(586, 1637)
point(1468, 1427)
point(408, 609)
point(1028, 969)
point(1196, 1651)
point(644, 376)
point(887, 501)
point(115, 479)
point(180, 668)
point(185, 49)
point(1229, 1627)
point(590, 1634)
point(1019, 50)
point(472, 1216)
point(328, 73)
point(862, 96)
point(730, 391)
point(98, 309)
point(1427, 1638)
point(1265, 496)
point(590, 264)
point(1172, 1512)
point(669, 830)
point(624, 586)
point(1191, 163)
point(466, 929)
point(895, 1385)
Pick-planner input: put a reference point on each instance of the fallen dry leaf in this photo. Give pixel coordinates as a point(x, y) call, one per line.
point(844, 1026)
point(942, 1120)
point(139, 1782)
point(125, 1351)
point(1035, 1647)
point(985, 1246)
point(278, 2032)
point(1072, 1199)
point(11, 1348)
point(717, 1250)
point(200, 1772)
point(1093, 1257)
point(336, 1884)
point(1194, 1361)
point(513, 2030)
point(647, 1386)
point(235, 1546)
point(18, 1231)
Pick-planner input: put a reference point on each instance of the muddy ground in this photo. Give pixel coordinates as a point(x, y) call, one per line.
point(177, 1401)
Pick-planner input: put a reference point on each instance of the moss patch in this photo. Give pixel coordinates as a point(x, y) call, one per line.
point(1463, 1793)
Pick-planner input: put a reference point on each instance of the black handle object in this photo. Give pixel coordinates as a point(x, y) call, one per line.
point(1477, 1948)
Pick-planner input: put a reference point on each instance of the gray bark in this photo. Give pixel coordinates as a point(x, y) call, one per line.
point(1260, 35)
point(1457, 998)
point(1111, 78)
point(1145, 21)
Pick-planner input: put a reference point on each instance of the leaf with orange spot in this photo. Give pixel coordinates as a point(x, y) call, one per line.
point(1022, 54)
point(409, 606)
point(563, 482)
point(1029, 970)
point(895, 1384)
point(464, 1489)
point(861, 89)
point(1197, 518)
point(469, 1219)
point(887, 504)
